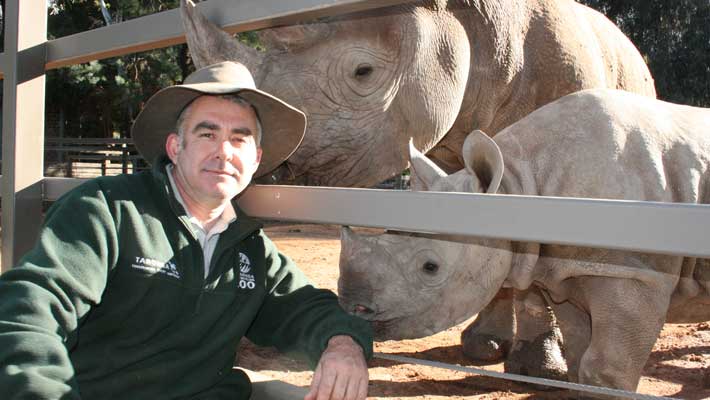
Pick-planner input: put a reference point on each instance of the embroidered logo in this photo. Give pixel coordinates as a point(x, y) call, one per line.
point(156, 267)
point(246, 279)
point(244, 263)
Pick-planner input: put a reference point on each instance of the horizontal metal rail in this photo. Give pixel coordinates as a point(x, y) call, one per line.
point(165, 28)
point(97, 149)
point(523, 378)
point(667, 228)
point(68, 144)
point(88, 141)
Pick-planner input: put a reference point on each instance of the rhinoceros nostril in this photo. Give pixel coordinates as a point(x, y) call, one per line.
point(359, 309)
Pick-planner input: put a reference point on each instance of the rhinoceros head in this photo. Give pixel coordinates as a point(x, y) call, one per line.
point(367, 81)
point(412, 285)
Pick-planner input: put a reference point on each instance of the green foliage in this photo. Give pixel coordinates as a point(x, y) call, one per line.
point(674, 38)
point(102, 98)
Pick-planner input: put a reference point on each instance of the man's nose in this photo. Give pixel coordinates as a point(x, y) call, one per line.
point(225, 150)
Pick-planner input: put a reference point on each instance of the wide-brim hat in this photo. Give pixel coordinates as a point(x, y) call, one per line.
point(283, 126)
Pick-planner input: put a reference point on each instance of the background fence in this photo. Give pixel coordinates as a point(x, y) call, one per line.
point(91, 157)
point(654, 227)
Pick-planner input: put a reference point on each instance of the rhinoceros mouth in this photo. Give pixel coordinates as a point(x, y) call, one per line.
point(388, 329)
point(363, 311)
point(383, 326)
point(369, 313)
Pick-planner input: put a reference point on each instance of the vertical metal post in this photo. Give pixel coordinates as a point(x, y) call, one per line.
point(23, 126)
point(124, 158)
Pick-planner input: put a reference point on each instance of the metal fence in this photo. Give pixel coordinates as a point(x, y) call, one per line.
point(91, 157)
point(680, 229)
point(654, 227)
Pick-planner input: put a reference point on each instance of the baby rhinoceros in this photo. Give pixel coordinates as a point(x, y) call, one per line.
point(610, 304)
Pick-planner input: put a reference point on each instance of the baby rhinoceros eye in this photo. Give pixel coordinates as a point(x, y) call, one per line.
point(430, 267)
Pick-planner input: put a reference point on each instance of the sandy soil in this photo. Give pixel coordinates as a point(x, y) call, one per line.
point(678, 367)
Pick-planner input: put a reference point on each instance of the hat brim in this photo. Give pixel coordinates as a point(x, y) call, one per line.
point(283, 125)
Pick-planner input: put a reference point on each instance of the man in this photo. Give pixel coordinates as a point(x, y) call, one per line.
point(141, 286)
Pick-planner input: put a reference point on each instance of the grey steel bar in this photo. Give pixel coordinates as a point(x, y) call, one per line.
point(671, 228)
point(165, 28)
point(682, 229)
point(22, 130)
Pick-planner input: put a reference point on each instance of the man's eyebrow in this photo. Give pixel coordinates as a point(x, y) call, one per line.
point(243, 131)
point(214, 126)
point(206, 125)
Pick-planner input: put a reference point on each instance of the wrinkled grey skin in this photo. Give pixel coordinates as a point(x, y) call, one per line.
point(429, 70)
point(610, 305)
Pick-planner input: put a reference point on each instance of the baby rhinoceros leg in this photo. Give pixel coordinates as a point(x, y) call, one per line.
point(537, 348)
point(489, 337)
point(627, 316)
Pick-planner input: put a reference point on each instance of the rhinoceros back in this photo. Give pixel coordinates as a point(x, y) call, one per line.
point(626, 70)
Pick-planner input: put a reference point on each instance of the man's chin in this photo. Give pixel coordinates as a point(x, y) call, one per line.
point(228, 191)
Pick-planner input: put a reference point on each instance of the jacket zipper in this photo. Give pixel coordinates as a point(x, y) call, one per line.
point(201, 261)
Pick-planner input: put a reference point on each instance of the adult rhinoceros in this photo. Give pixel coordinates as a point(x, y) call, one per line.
point(431, 70)
point(610, 304)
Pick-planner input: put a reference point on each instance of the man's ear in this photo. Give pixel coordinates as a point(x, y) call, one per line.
point(172, 146)
point(258, 156)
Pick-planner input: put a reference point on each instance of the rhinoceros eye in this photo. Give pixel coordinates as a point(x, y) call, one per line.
point(363, 70)
point(430, 267)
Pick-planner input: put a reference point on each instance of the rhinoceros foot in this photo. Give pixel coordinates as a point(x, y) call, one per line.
point(541, 358)
point(490, 336)
point(484, 347)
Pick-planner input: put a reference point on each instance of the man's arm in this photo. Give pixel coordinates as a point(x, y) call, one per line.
point(296, 317)
point(341, 372)
point(43, 298)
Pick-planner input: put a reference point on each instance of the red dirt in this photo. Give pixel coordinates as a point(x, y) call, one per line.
point(678, 367)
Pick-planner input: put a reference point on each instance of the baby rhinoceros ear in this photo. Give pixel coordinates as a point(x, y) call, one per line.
point(424, 172)
point(483, 160)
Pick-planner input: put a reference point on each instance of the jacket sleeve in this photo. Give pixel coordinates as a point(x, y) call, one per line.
point(298, 318)
point(44, 297)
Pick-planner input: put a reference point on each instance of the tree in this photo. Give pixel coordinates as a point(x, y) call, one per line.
point(102, 98)
point(673, 37)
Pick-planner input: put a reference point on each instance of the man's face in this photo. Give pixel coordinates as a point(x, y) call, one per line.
point(217, 155)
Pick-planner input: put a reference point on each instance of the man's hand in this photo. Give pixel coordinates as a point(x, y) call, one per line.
point(341, 372)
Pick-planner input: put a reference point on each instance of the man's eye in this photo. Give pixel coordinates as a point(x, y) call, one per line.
point(206, 135)
point(239, 139)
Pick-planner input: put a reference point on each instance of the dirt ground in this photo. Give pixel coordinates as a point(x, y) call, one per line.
point(678, 367)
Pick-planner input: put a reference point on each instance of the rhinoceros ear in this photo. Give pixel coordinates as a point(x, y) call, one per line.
point(209, 44)
point(424, 172)
point(483, 160)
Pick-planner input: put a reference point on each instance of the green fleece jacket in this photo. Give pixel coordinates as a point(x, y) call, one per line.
point(112, 302)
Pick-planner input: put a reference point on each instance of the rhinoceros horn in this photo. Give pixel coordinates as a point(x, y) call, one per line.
point(209, 44)
point(291, 37)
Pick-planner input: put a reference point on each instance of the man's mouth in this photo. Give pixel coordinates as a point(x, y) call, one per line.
point(220, 172)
